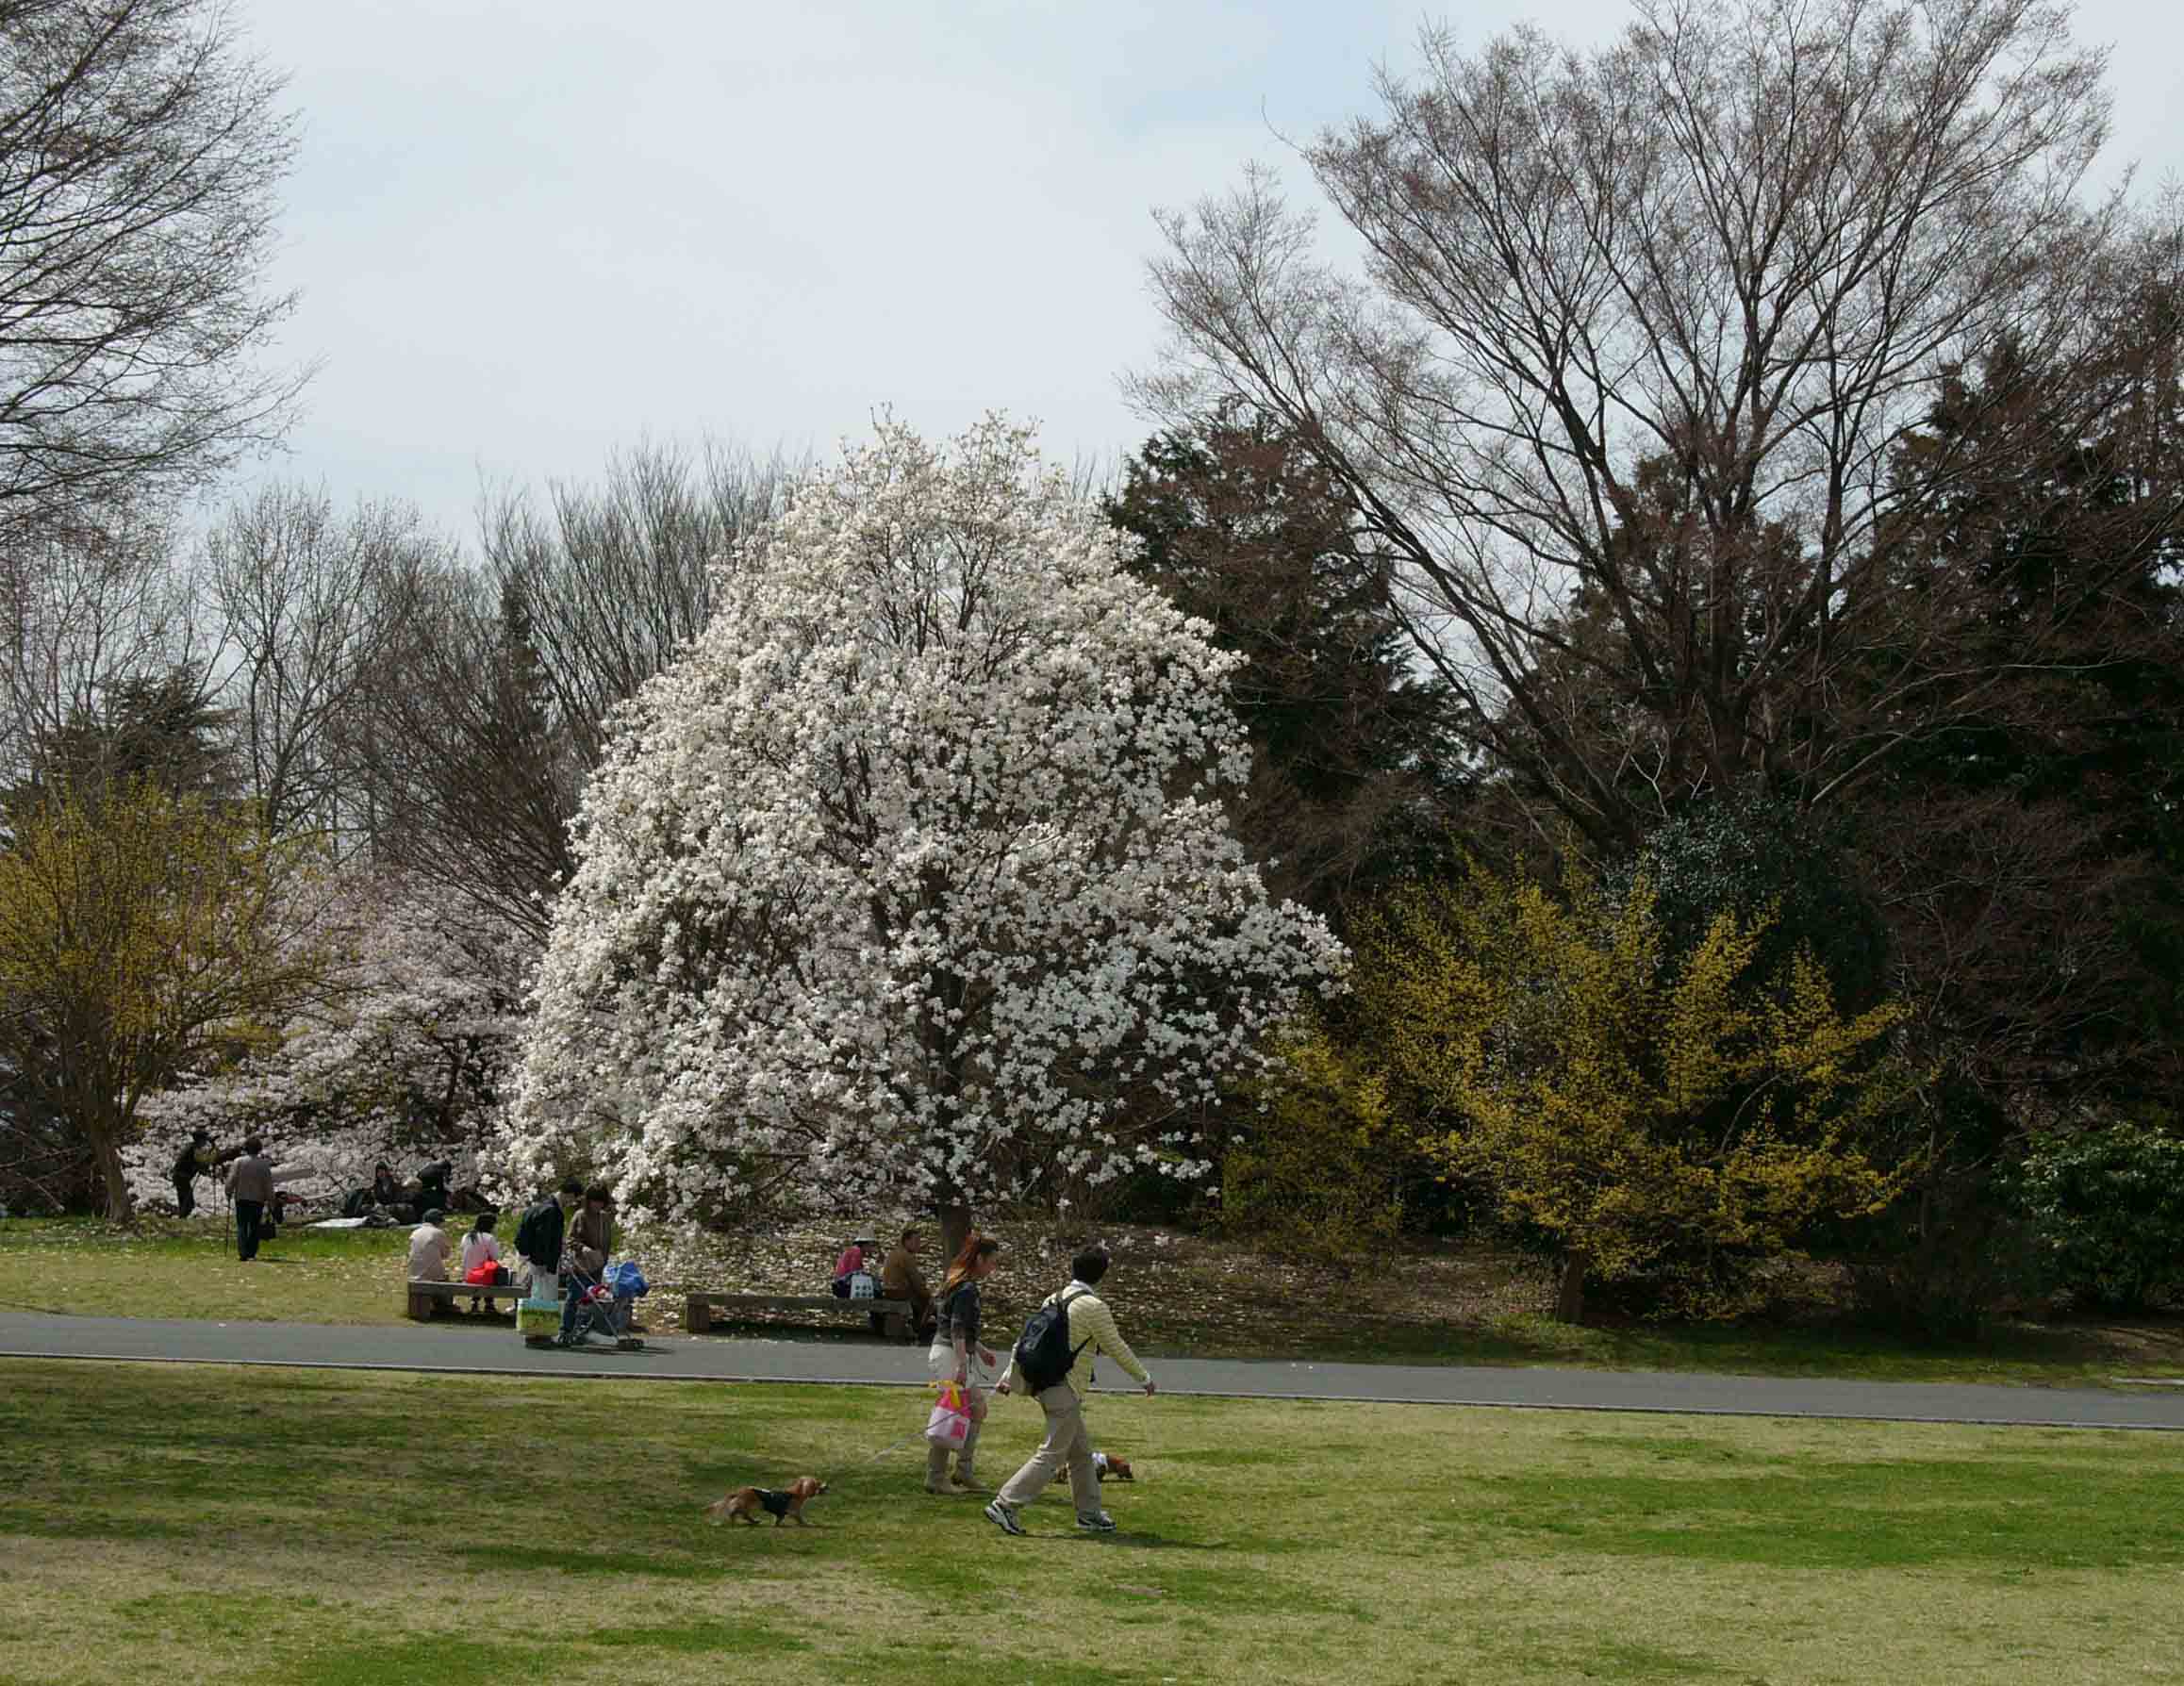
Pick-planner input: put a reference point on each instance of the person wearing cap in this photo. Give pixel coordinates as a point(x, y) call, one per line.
point(428, 1249)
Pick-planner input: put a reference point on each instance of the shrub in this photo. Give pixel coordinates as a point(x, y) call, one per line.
point(1639, 1113)
point(1943, 1266)
point(1776, 868)
point(2106, 1210)
point(1319, 1173)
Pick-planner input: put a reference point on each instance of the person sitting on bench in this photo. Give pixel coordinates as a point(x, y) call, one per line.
point(481, 1258)
point(903, 1280)
point(428, 1249)
point(856, 1258)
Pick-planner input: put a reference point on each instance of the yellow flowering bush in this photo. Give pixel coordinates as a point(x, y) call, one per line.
point(1626, 1107)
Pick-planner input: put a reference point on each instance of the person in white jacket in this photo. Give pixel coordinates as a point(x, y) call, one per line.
point(1092, 1331)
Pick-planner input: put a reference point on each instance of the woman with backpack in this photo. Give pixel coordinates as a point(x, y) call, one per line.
point(955, 1341)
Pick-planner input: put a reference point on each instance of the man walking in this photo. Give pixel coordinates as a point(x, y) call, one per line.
point(250, 1181)
point(1091, 1332)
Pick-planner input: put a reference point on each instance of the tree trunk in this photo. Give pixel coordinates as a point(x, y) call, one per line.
point(1570, 1291)
point(107, 1154)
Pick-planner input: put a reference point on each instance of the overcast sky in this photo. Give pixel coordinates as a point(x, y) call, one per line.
point(528, 231)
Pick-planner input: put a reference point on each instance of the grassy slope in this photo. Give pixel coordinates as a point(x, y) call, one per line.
point(1177, 1294)
point(201, 1525)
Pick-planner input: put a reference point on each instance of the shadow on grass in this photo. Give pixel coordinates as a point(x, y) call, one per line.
point(2053, 1352)
point(1138, 1539)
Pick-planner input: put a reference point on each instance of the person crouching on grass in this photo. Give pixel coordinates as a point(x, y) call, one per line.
point(1092, 1331)
point(949, 1358)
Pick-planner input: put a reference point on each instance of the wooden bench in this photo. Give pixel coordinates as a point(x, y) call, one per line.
point(424, 1297)
point(698, 1309)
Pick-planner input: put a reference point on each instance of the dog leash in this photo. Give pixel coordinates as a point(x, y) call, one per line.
point(894, 1446)
point(897, 1446)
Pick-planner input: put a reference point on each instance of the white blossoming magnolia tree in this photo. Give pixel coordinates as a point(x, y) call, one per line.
point(401, 1058)
point(910, 878)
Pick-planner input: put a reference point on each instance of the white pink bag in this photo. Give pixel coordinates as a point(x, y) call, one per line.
point(950, 1424)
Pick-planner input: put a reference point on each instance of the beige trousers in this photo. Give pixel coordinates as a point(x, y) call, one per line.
point(1067, 1445)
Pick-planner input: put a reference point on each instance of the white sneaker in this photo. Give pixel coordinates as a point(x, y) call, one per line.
point(1100, 1522)
point(1004, 1517)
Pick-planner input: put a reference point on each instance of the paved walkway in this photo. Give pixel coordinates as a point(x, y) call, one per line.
point(835, 1359)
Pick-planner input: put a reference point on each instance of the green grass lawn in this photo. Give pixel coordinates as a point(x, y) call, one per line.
point(324, 1529)
point(170, 1269)
point(1190, 1298)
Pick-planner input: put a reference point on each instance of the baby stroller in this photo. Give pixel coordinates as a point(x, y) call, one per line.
point(603, 1303)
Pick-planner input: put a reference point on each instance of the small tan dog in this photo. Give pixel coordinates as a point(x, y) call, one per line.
point(782, 1504)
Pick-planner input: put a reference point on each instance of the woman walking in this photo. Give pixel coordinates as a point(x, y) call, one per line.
point(954, 1344)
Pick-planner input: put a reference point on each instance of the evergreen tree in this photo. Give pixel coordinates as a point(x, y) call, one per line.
point(1240, 529)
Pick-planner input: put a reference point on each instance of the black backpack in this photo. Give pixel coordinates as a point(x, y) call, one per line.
point(529, 1234)
point(1043, 1350)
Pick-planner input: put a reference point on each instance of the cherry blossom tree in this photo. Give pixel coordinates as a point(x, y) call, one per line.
point(401, 1057)
point(912, 876)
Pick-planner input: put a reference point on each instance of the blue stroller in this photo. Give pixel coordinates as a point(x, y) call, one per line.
point(603, 1306)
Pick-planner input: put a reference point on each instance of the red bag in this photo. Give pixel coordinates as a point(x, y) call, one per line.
point(486, 1275)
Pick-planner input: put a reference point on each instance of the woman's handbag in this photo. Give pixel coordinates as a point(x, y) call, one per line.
point(950, 1424)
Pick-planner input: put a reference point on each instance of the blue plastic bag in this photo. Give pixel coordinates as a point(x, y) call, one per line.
point(624, 1280)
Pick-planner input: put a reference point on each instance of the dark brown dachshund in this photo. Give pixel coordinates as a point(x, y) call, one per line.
point(782, 1504)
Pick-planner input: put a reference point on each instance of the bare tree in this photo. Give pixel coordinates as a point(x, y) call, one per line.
point(485, 706)
point(1642, 335)
point(298, 592)
point(617, 575)
point(140, 148)
point(79, 616)
point(468, 778)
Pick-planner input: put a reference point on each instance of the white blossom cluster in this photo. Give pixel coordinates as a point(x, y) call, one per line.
point(911, 876)
point(401, 1058)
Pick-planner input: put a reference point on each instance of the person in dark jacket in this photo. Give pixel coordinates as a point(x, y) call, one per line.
point(192, 1163)
point(384, 1191)
point(250, 1181)
point(432, 1184)
point(538, 1237)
